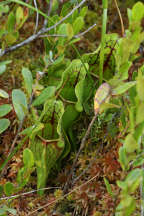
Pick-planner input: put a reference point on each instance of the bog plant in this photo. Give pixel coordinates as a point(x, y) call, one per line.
point(62, 90)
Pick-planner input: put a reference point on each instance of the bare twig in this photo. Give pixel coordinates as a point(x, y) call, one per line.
point(42, 31)
point(82, 145)
point(49, 11)
point(55, 201)
point(75, 36)
point(52, 35)
point(120, 16)
point(37, 17)
point(29, 192)
point(63, 19)
point(82, 33)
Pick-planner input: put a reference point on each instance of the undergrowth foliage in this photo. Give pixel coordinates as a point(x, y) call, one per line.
point(57, 96)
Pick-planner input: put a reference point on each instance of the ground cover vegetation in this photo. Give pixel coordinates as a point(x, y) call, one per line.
point(71, 107)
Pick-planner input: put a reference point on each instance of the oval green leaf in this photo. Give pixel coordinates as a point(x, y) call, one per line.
point(123, 88)
point(8, 188)
point(4, 124)
point(130, 144)
point(2, 69)
point(45, 94)
point(78, 24)
point(19, 103)
point(28, 158)
point(28, 80)
point(3, 94)
point(5, 109)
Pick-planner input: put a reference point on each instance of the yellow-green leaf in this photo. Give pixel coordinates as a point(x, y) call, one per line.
point(130, 144)
point(19, 17)
point(140, 86)
point(78, 24)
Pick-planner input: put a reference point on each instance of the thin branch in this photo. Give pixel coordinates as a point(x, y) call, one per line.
point(82, 145)
point(42, 31)
point(55, 201)
point(52, 35)
point(75, 36)
point(82, 33)
point(63, 19)
point(120, 16)
point(37, 17)
point(49, 11)
point(29, 192)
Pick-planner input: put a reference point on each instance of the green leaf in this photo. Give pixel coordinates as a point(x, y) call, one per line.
point(106, 106)
point(69, 31)
point(11, 37)
point(65, 8)
point(69, 116)
point(126, 207)
point(28, 158)
point(133, 180)
point(123, 158)
point(38, 127)
point(11, 22)
point(2, 69)
point(4, 9)
point(78, 25)
point(4, 124)
point(27, 79)
point(130, 143)
point(68, 119)
point(138, 132)
point(73, 41)
point(19, 16)
point(20, 103)
point(3, 66)
point(3, 94)
point(27, 131)
point(140, 85)
point(83, 11)
point(138, 161)
point(47, 93)
point(73, 82)
point(5, 62)
point(5, 109)
point(140, 113)
point(2, 212)
point(123, 71)
point(62, 31)
point(108, 187)
point(129, 13)
point(138, 11)
point(8, 188)
point(123, 88)
point(23, 176)
point(10, 210)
